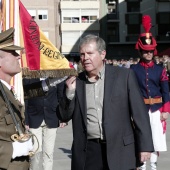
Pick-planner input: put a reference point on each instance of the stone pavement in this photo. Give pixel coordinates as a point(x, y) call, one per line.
point(62, 155)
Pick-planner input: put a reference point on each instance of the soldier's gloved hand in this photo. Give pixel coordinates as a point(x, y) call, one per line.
point(164, 115)
point(55, 81)
point(49, 82)
point(22, 148)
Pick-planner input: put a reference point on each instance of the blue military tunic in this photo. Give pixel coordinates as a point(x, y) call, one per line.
point(153, 83)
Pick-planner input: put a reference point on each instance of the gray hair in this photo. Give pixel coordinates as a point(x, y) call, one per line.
point(100, 43)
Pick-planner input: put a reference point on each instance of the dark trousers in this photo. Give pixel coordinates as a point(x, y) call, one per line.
point(96, 158)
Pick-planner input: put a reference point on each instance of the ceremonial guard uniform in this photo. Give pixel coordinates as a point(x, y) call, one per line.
point(153, 82)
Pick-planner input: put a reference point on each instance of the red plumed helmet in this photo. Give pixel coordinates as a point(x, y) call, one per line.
point(146, 22)
point(146, 41)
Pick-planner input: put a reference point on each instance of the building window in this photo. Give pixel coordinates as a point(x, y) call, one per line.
point(89, 15)
point(111, 6)
point(163, 18)
point(79, 16)
point(70, 20)
point(113, 32)
point(163, 21)
point(70, 38)
point(133, 22)
point(70, 16)
point(32, 12)
point(133, 19)
point(133, 6)
point(133, 29)
point(42, 14)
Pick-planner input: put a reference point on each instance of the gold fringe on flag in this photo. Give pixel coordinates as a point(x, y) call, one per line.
point(26, 73)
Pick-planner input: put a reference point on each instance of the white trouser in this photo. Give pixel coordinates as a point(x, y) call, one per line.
point(159, 138)
point(46, 137)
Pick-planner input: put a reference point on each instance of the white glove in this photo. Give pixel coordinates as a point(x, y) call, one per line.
point(55, 81)
point(51, 82)
point(22, 149)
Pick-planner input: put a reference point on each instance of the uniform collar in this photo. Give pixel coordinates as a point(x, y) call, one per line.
point(147, 65)
point(6, 84)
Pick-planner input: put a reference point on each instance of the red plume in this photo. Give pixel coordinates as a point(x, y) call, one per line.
point(146, 22)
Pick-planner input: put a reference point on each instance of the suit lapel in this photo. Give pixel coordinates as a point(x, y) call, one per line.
point(81, 94)
point(110, 78)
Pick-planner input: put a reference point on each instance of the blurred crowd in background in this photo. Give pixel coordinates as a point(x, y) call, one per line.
point(163, 60)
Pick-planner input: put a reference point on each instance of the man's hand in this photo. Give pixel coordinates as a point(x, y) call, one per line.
point(27, 127)
point(71, 83)
point(164, 115)
point(63, 124)
point(144, 156)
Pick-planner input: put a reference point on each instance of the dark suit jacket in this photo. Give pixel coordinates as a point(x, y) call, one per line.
point(122, 103)
point(43, 107)
point(7, 129)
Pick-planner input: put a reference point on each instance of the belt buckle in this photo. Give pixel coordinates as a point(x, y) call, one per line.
point(150, 100)
point(161, 99)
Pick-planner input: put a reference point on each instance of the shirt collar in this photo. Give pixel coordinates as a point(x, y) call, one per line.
point(6, 84)
point(100, 74)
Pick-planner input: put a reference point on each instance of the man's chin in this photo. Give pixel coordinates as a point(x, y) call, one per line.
point(18, 71)
point(88, 69)
point(147, 60)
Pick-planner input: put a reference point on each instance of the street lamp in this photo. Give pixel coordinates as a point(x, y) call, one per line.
point(167, 34)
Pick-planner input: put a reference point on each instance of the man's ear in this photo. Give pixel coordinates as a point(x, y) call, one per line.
point(103, 54)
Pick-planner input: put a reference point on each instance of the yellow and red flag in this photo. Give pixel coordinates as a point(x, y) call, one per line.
point(43, 58)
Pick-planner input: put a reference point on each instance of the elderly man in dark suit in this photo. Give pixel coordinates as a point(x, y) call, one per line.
point(13, 155)
point(110, 120)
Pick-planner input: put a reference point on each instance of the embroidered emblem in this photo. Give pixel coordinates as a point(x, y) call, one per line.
point(148, 41)
point(14, 93)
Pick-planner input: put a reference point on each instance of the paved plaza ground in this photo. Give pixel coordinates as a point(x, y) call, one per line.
point(62, 155)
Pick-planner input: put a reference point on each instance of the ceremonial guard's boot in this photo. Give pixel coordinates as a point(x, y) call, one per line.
point(153, 165)
point(153, 160)
point(143, 167)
